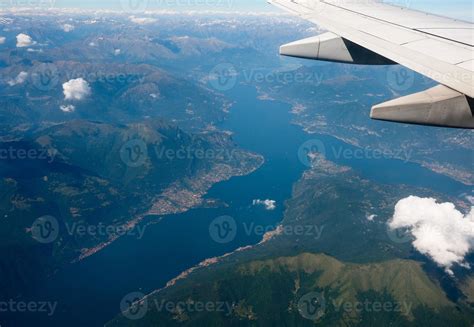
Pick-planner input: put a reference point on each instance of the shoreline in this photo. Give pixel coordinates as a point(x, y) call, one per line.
point(176, 200)
point(217, 259)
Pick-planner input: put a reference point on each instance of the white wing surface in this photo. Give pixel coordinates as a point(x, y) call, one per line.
point(370, 32)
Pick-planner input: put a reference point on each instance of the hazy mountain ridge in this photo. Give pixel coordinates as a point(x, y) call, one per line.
point(119, 93)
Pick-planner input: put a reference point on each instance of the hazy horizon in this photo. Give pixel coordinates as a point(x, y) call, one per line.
point(460, 9)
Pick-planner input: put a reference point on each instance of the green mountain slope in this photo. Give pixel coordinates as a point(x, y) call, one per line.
point(350, 268)
point(272, 292)
point(95, 175)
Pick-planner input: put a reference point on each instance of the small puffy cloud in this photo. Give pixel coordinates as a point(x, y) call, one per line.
point(371, 217)
point(439, 230)
point(76, 89)
point(67, 108)
point(142, 20)
point(2, 39)
point(23, 40)
point(268, 204)
point(68, 28)
point(20, 79)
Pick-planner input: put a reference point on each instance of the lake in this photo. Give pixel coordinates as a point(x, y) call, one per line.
point(89, 293)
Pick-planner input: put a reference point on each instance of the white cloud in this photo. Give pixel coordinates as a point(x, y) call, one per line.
point(24, 40)
point(142, 20)
point(439, 230)
point(20, 79)
point(371, 217)
point(2, 39)
point(268, 204)
point(67, 108)
point(117, 52)
point(68, 28)
point(76, 89)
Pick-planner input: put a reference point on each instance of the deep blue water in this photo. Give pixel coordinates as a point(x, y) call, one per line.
point(89, 292)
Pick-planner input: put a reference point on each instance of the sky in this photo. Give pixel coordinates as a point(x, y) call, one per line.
point(463, 9)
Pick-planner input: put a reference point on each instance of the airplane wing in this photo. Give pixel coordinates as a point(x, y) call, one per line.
point(373, 33)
